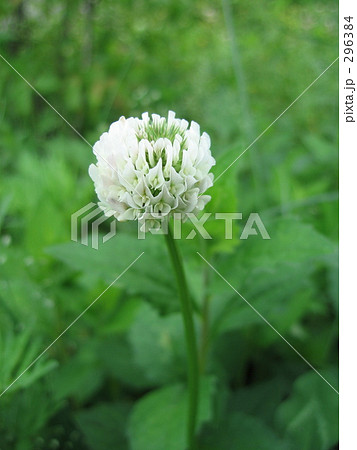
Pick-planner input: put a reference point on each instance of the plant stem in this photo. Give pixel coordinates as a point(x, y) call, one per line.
point(205, 329)
point(190, 336)
point(204, 334)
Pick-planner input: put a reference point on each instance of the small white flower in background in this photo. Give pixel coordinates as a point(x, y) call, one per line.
point(152, 167)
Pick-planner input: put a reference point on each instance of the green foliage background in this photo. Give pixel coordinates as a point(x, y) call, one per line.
point(116, 379)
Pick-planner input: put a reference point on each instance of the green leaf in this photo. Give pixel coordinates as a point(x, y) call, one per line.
point(17, 352)
point(113, 257)
point(224, 200)
point(117, 359)
point(79, 377)
point(224, 191)
point(280, 293)
point(104, 426)
point(123, 317)
point(290, 241)
point(4, 206)
point(273, 275)
point(260, 400)
point(20, 421)
point(158, 345)
point(40, 188)
point(310, 415)
point(241, 431)
point(158, 420)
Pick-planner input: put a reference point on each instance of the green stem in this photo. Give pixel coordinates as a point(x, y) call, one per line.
point(204, 334)
point(205, 329)
point(190, 335)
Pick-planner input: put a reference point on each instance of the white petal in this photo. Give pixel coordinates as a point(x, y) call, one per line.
point(155, 178)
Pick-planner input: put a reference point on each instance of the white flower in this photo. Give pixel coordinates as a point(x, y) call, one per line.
point(152, 167)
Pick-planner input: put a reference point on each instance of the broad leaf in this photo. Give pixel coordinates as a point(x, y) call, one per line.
point(114, 257)
point(310, 415)
point(273, 275)
point(158, 345)
point(241, 431)
point(104, 426)
point(158, 420)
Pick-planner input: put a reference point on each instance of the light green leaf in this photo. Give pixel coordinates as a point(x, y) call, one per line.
point(79, 377)
point(224, 200)
point(158, 345)
point(290, 241)
point(273, 275)
point(17, 352)
point(158, 420)
point(113, 257)
point(280, 293)
point(310, 415)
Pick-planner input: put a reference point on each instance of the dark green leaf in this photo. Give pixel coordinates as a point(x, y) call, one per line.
point(241, 431)
point(104, 426)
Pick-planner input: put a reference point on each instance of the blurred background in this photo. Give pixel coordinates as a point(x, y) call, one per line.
point(116, 379)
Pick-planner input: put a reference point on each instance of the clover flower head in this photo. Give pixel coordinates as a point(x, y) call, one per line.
point(152, 167)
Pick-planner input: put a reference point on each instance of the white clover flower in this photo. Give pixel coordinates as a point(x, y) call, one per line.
point(152, 167)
